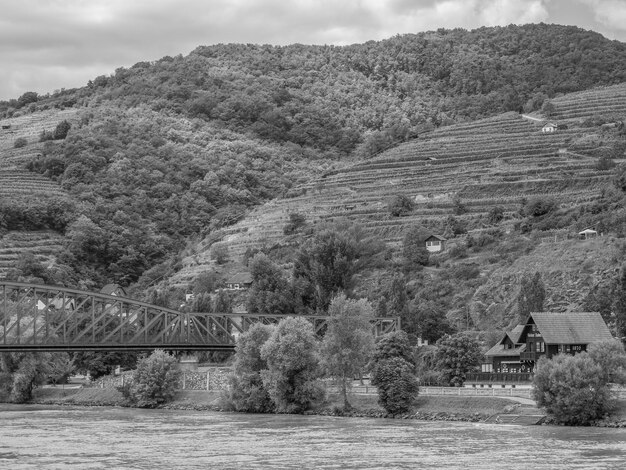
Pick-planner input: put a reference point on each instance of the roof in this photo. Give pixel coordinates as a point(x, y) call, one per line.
point(587, 230)
point(550, 124)
point(438, 237)
point(112, 289)
point(498, 350)
point(571, 327)
point(516, 333)
point(240, 278)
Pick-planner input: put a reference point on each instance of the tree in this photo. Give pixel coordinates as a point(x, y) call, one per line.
point(396, 383)
point(400, 205)
point(428, 320)
point(611, 357)
point(414, 247)
point(548, 108)
point(395, 344)
point(620, 304)
point(572, 389)
point(393, 373)
point(348, 342)
point(291, 377)
point(27, 98)
point(456, 356)
point(247, 392)
point(296, 221)
point(61, 130)
point(98, 364)
point(531, 295)
point(155, 380)
point(270, 292)
point(326, 264)
point(219, 253)
point(20, 142)
point(496, 214)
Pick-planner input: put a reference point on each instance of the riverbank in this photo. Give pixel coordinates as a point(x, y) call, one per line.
point(428, 408)
point(431, 408)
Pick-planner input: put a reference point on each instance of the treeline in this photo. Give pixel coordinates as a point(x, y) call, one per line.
point(362, 97)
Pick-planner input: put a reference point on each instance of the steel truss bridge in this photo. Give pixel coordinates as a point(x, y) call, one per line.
point(36, 317)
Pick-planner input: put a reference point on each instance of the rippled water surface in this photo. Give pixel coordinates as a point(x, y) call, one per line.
point(112, 438)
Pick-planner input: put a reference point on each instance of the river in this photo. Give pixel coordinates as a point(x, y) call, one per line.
point(33, 437)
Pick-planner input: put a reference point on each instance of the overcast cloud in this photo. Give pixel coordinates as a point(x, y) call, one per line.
point(49, 44)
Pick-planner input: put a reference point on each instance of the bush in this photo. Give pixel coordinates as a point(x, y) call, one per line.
point(400, 205)
point(20, 142)
point(155, 380)
point(61, 130)
point(572, 389)
point(296, 221)
point(396, 383)
point(538, 206)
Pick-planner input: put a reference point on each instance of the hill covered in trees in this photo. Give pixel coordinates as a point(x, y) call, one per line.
point(158, 177)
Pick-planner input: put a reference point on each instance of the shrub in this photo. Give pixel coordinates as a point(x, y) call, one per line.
point(396, 383)
point(400, 205)
point(155, 380)
point(45, 136)
point(296, 221)
point(61, 130)
point(20, 142)
point(572, 389)
point(538, 206)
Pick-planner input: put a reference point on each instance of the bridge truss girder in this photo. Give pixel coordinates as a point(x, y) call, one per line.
point(37, 317)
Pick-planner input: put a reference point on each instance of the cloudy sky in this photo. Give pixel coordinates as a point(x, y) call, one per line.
point(50, 44)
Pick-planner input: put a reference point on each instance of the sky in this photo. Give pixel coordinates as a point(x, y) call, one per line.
point(46, 45)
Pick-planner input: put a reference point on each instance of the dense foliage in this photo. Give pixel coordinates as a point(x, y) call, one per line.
point(456, 356)
point(154, 381)
point(348, 342)
point(575, 390)
point(292, 374)
point(393, 373)
point(176, 148)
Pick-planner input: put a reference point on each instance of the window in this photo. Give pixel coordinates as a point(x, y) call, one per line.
point(543, 347)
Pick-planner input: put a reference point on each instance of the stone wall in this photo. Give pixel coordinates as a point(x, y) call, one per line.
point(215, 378)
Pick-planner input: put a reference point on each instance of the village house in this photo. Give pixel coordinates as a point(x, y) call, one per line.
point(549, 128)
point(113, 289)
point(545, 334)
point(587, 233)
point(239, 281)
point(435, 243)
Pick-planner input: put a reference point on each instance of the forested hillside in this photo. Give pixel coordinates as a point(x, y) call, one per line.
point(157, 176)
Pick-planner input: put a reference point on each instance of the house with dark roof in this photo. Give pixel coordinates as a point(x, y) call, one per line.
point(239, 281)
point(545, 334)
point(113, 289)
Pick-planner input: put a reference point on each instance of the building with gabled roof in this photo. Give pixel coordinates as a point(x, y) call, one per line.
point(435, 243)
point(239, 281)
point(545, 334)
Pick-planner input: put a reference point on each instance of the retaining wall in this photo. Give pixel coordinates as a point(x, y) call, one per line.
point(216, 378)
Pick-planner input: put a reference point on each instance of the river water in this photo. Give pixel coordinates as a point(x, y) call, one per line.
point(34, 437)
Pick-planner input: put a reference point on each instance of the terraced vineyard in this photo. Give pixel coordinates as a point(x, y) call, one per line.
point(17, 183)
point(495, 161)
point(604, 101)
point(45, 245)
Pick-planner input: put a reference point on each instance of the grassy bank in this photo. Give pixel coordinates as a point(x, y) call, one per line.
point(427, 407)
point(431, 408)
